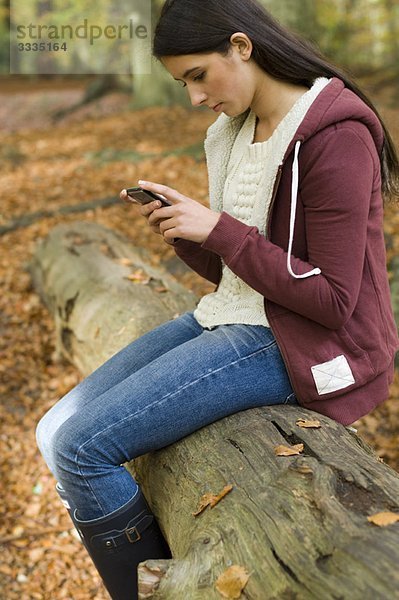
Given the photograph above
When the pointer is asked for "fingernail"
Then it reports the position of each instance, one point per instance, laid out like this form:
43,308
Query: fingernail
141,181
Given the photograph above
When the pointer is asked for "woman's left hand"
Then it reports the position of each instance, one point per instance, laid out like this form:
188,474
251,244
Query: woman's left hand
186,218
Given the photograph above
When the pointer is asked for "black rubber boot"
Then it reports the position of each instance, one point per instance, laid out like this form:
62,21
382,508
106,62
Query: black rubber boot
118,542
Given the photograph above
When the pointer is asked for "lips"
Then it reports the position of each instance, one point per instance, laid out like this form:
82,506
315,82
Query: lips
217,107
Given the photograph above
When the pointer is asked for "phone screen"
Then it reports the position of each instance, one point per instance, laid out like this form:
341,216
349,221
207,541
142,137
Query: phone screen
145,196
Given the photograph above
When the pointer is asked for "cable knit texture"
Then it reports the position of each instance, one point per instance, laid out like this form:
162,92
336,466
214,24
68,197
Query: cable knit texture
241,182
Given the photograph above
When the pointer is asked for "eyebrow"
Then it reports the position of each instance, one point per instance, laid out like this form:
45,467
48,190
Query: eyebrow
187,73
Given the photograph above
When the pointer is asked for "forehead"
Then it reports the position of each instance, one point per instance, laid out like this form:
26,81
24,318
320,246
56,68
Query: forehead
178,65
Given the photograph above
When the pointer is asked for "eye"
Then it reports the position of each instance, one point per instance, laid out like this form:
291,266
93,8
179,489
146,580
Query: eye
198,77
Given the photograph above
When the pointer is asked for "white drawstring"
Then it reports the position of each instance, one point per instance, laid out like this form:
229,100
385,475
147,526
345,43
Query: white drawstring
294,197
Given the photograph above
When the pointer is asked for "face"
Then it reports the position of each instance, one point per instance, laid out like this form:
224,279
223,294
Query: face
223,83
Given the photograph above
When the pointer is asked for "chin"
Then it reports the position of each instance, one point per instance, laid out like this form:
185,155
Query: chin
235,112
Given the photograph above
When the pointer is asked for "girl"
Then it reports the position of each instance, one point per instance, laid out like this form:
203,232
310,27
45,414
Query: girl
298,160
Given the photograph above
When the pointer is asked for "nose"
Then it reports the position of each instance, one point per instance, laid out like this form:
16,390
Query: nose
197,97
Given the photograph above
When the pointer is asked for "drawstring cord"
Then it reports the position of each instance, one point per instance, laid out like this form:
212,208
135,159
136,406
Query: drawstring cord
294,197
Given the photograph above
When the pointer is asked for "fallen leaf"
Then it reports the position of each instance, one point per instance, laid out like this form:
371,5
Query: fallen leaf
288,451
232,581
33,509
304,469
139,276
382,519
18,530
126,262
211,500
78,240
161,289
36,554
315,424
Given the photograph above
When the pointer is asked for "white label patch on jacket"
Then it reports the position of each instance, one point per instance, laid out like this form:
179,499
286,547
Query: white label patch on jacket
333,375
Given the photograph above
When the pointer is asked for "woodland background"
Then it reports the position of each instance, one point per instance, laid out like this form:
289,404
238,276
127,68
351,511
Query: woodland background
68,145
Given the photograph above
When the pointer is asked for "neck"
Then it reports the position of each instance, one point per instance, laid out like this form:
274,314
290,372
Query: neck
273,100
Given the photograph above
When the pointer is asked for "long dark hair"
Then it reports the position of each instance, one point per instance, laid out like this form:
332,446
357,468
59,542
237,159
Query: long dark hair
205,26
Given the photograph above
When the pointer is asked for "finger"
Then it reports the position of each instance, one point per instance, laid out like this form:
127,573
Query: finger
147,209
161,214
155,230
164,190
123,195
167,224
170,235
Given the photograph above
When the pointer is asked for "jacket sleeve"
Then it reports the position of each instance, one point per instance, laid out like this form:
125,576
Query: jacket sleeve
204,262
339,168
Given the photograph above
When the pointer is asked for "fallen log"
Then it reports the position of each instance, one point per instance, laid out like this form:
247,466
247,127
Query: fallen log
102,291
298,524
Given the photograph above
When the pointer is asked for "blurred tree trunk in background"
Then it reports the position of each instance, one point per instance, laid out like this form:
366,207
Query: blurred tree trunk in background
4,36
392,20
157,88
45,61
300,16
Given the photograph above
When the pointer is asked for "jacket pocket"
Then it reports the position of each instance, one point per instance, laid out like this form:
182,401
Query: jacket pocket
322,363
332,375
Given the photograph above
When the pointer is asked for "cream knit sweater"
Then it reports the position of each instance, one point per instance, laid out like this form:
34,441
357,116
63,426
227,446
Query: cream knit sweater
241,181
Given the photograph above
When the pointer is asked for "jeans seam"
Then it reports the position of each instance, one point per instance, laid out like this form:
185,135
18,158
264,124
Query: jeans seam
158,402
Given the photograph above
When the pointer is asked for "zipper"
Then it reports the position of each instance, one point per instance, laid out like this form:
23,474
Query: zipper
280,347
267,235
273,198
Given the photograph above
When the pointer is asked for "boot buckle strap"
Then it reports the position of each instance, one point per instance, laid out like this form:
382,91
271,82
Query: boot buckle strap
133,535
115,539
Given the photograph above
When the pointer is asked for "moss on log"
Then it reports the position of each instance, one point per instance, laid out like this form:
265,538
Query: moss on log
298,524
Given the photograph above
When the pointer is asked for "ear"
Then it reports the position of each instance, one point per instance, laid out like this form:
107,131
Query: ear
241,43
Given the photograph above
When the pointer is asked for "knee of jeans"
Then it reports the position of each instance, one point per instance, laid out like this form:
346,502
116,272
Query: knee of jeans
51,441
43,438
76,451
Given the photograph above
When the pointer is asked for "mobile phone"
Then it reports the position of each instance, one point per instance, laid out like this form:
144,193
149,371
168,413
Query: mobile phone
145,196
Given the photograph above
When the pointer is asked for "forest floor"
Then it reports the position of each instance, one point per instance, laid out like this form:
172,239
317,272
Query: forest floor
46,165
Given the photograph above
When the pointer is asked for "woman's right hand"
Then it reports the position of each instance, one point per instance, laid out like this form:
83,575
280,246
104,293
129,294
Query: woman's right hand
146,211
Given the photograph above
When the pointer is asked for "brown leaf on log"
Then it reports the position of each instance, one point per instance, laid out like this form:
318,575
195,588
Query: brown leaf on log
125,262
231,582
139,276
288,450
382,519
309,424
212,499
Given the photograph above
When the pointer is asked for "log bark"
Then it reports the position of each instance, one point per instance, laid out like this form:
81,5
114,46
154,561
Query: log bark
298,524
81,271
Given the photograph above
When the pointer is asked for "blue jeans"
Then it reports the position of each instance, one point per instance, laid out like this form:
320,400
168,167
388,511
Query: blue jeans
160,388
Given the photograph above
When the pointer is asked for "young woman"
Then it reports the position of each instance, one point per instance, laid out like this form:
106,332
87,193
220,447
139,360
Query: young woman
298,160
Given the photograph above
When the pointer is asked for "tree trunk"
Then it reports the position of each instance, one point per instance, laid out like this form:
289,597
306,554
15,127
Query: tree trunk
157,88
298,524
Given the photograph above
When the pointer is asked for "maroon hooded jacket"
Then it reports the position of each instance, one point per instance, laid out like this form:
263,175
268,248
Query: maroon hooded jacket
335,327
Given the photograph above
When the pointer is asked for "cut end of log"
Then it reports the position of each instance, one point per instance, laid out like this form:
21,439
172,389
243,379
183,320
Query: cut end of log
150,574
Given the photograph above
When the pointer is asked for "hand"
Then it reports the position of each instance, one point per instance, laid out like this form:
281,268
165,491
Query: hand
186,218
145,209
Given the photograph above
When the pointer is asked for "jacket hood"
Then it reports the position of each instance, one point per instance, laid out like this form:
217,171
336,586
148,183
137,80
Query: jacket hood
335,104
